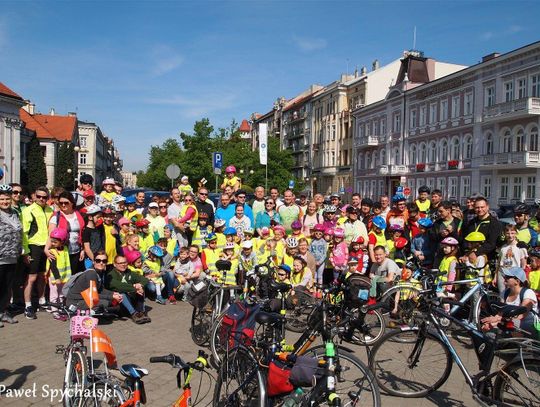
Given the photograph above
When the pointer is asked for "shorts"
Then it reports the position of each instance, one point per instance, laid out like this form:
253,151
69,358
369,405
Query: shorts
39,259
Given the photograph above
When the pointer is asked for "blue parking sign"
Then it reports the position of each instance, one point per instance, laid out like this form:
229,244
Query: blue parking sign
291,184
217,160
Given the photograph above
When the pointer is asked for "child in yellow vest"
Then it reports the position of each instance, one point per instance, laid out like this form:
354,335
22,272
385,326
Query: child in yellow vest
146,239
123,224
201,231
279,234
480,263
228,254
534,274
135,263
448,265
172,243
59,269
184,187
152,270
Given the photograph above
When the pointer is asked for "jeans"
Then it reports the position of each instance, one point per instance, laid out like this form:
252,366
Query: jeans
171,282
133,303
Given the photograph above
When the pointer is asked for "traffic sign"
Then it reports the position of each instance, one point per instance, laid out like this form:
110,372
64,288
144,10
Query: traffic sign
173,171
342,190
217,161
399,190
407,191
291,184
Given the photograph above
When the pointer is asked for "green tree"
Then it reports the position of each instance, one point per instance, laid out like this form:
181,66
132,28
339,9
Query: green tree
37,172
65,171
161,157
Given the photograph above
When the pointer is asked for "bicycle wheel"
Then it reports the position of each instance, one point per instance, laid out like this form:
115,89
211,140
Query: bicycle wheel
201,323
401,303
518,383
218,341
239,382
296,317
75,379
104,393
355,384
368,327
410,363
482,307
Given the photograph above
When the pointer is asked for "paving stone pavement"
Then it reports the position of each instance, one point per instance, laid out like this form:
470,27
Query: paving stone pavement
28,360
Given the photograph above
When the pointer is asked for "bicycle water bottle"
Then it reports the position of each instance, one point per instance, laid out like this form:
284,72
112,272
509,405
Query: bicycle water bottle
295,399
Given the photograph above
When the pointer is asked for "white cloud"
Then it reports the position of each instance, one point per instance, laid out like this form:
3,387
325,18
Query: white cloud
166,60
196,107
309,44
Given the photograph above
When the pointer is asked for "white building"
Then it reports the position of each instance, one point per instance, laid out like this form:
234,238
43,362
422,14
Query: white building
474,130
10,134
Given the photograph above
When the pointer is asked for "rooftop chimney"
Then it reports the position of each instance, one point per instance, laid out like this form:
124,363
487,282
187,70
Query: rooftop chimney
72,114
375,65
363,71
491,56
29,107
52,112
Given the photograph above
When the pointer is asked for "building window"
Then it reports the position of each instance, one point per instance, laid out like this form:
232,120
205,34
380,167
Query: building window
412,154
455,107
381,187
333,158
535,86
413,123
432,152
368,160
366,189
465,187
430,182
432,113
444,110
468,105
454,149
489,144
521,88
396,156
467,147
383,126
397,123
508,91
517,187
422,155
443,150
504,188
360,159
507,142
531,188
533,139
486,186
452,188
489,94
383,156
419,182
423,115
441,184
82,142
520,141
333,132
82,158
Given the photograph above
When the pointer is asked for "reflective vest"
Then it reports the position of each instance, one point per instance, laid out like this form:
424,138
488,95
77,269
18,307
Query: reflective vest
423,206
288,260
172,247
185,189
231,182
485,272
62,264
135,270
221,240
145,242
193,222
108,196
445,266
36,223
155,266
230,275
211,257
199,235
380,239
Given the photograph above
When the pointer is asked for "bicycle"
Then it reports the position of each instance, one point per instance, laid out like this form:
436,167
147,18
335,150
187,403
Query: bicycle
419,359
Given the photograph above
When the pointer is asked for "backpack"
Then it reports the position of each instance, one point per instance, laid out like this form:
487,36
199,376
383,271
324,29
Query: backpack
357,290
506,293
238,325
70,283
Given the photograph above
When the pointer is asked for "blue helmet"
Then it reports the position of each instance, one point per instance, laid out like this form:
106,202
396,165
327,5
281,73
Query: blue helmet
425,222
156,251
398,197
285,267
211,236
130,200
379,222
229,231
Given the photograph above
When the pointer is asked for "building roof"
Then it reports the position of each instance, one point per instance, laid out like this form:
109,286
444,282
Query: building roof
61,128
5,91
245,127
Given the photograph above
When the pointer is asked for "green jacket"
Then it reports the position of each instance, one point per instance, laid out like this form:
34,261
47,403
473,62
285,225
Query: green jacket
123,282
35,221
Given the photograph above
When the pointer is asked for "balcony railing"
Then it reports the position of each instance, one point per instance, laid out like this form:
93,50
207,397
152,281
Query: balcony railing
519,157
393,169
374,140
524,106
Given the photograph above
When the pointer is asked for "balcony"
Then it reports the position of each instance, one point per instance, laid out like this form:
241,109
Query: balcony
369,141
514,109
393,169
517,159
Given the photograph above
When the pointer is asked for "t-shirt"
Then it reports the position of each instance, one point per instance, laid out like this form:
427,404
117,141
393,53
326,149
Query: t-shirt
383,269
96,238
526,323
184,269
511,255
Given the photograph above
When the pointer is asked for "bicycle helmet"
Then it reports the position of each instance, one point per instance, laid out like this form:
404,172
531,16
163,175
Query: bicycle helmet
230,169
279,228
249,231
118,198
424,188
406,273
219,223
59,234
92,209
475,237
338,232
359,240
398,198
130,200
379,222
229,231
291,242
108,181
329,232
425,223
521,208
318,227
329,209
534,253
123,221
107,211
395,227
285,268
265,231
296,225
450,241
142,223
211,236
247,244
5,189
131,257
89,193
400,243
229,246
156,251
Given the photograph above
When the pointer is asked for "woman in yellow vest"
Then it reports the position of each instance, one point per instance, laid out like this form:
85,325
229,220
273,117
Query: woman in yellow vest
59,268
231,180
376,236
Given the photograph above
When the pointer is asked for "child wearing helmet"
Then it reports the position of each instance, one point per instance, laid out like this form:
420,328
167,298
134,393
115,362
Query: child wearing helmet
319,249
108,193
340,253
296,227
219,227
131,208
279,238
358,250
153,271
422,246
231,180
184,187
291,251
210,255
135,262
450,248
59,268
228,254
146,239
477,264
376,236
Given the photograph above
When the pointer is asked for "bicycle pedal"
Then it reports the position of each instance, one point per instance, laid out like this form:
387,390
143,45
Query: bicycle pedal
60,349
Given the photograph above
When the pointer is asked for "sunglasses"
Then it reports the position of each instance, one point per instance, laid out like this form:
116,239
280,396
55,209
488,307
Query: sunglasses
269,203
16,192
509,277
102,261
41,197
203,193
63,203
282,274
163,206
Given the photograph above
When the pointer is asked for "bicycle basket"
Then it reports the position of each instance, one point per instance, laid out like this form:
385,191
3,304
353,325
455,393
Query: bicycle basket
81,325
357,291
198,294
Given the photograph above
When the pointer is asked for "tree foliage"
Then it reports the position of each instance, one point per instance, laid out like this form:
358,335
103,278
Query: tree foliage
64,171
37,171
194,157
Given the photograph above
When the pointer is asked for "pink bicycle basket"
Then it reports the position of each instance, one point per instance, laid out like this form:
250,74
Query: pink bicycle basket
81,325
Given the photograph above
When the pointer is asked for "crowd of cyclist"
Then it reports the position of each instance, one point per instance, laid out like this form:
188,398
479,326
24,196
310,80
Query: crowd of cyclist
55,243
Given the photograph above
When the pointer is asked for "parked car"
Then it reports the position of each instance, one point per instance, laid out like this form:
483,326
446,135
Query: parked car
147,194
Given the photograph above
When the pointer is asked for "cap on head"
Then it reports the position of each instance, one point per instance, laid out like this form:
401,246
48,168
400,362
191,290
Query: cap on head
516,272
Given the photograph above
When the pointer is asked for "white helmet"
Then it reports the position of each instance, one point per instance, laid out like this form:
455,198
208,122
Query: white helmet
291,242
92,209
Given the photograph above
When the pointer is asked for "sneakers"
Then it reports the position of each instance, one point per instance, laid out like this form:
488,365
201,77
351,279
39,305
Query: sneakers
139,318
161,300
29,313
172,299
60,317
8,319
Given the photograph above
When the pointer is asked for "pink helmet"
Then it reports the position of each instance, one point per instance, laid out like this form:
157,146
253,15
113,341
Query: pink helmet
338,232
318,227
60,234
132,257
230,168
450,241
329,232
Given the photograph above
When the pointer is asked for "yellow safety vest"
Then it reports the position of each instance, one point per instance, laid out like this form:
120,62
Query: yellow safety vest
171,246
485,273
145,242
185,189
36,223
108,196
445,266
156,268
380,239
231,182
230,275
288,260
193,222
62,264
221,240
211,257
423,206
135,270
199,235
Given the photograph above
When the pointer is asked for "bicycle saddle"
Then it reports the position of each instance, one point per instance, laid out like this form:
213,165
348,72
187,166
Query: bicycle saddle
133,371
512,311
267,317
281,287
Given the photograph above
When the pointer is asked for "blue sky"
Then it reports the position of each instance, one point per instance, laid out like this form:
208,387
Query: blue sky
146,70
